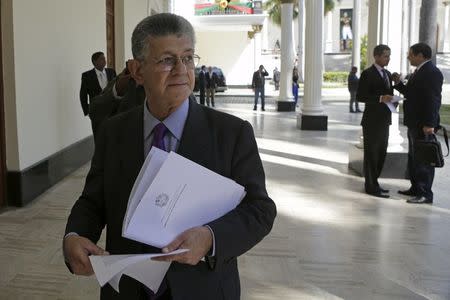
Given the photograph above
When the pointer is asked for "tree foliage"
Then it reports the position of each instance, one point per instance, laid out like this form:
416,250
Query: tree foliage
273,8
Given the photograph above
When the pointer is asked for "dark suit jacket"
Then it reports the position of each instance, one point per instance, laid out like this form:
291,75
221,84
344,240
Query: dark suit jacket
218,141
423,97
258,79
202,80
90,87
371,87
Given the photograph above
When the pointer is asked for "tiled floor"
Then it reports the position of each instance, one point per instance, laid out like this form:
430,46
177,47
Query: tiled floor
329,241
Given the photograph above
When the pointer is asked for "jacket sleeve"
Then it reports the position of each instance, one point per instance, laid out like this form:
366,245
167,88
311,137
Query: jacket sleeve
87,217
254,80
84,95
246,225
364,93
432,99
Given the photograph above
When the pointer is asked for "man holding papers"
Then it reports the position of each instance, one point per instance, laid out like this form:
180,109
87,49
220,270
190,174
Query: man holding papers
375,90
163,48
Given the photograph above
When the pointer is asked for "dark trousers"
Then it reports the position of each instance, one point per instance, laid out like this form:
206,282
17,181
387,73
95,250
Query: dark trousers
375,147
420,175
353,102
202,96
258,92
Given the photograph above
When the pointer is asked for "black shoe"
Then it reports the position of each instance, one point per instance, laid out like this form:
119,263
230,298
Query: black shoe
419,200
379,195
352,111
263,109
359,111
254,108
384,191
407,192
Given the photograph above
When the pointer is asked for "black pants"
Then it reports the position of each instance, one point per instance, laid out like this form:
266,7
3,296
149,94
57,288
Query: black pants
375,147
420,175
202,96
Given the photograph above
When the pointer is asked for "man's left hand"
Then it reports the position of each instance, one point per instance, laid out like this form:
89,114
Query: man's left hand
428,130
198,240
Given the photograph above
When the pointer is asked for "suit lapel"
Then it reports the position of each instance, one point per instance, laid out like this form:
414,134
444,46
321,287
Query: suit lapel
131,146
95,80
194,143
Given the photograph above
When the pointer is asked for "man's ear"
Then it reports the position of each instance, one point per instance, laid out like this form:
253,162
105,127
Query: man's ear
135,68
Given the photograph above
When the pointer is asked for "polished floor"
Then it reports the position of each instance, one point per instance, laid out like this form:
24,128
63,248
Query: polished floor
329,241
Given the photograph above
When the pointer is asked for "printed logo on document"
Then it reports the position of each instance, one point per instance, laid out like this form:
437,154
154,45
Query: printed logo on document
162,200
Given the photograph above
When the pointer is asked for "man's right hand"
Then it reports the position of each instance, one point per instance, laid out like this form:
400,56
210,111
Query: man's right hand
76,252
386,98
396,77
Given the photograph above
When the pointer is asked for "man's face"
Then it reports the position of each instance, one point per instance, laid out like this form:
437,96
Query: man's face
100,63
165,89
415,60
383,59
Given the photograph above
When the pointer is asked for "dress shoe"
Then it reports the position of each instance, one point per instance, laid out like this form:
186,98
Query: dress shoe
379,195
254,108
419,200
352,111
263,109
359,111
407,192
384,191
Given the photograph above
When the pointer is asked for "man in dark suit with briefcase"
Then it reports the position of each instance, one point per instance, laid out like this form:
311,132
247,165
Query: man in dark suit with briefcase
95,80
375,90
164,61
421,116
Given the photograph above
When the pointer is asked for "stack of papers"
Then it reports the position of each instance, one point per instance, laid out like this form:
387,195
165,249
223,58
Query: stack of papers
170,195
395,99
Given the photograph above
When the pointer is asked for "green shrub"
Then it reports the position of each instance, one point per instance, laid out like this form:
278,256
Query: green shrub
335,77
363,53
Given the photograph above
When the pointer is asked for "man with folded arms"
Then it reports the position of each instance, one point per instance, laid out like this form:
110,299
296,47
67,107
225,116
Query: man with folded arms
163,48
421,116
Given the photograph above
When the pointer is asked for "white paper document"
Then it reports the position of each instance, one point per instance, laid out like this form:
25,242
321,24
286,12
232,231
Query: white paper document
110,268
172,194
391,105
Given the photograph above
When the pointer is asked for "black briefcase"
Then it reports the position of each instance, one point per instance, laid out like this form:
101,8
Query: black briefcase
428,151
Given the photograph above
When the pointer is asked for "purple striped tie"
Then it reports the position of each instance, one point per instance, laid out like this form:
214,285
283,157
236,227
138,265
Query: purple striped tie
159,131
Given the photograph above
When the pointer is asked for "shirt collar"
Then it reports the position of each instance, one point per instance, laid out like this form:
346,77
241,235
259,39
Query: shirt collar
420,66
379,68
174,122
99,72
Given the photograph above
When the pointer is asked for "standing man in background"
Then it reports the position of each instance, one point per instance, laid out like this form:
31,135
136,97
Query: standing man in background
375,90
421,116
95,80
352,83
258,82
211,84
202,84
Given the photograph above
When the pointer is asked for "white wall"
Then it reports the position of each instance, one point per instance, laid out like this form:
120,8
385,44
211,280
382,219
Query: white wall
53,43
231,51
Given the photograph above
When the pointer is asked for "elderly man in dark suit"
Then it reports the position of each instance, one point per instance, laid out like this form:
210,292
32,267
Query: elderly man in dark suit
164,61
375,90
421,116
95,80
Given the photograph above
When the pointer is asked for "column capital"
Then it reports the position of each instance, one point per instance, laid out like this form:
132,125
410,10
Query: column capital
288,1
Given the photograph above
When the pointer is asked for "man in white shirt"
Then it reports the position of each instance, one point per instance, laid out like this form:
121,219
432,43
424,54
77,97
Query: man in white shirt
94,80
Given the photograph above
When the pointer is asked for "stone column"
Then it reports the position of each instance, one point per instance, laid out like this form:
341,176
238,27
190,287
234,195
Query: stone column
405,40
285,100
412,39
428,25
312,116
356,51
329,41
446,21
373,32
300,19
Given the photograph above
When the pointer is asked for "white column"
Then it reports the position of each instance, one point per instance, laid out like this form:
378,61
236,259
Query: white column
373,32
300,19
446,21
329,41
356,51
312,104
287,55
405,41
412,38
